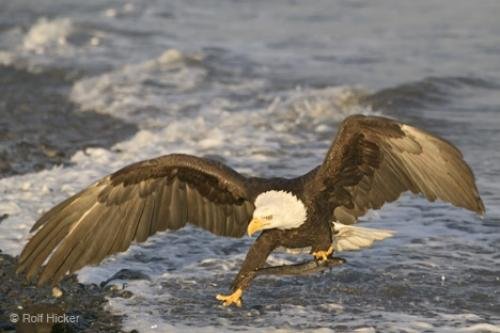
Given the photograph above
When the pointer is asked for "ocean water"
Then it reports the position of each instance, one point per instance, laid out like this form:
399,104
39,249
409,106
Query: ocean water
262,86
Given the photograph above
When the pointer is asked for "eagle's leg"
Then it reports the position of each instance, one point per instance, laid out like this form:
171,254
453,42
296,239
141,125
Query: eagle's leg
323,255
255,259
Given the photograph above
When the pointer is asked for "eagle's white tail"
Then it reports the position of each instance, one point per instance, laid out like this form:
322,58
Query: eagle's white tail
350,238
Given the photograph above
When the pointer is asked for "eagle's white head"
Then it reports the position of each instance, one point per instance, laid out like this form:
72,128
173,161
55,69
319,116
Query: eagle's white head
277,209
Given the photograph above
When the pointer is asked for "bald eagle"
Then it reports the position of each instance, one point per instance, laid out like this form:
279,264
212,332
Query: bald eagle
372,160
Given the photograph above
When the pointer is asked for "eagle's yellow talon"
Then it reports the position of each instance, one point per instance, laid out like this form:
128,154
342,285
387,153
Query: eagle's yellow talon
234,298
323,255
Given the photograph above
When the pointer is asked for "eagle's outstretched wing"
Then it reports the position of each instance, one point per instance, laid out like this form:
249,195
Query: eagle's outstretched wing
374,159
133,204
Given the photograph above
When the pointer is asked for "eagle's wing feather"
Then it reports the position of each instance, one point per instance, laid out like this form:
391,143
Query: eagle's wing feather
133,204
374,159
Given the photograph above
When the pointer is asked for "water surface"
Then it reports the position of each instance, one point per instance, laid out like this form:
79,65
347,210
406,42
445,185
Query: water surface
262,86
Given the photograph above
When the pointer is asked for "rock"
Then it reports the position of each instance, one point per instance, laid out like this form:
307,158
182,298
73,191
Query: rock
56,292
87,302
3,217
127,274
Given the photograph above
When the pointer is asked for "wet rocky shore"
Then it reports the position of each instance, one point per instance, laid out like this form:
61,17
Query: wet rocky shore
40,128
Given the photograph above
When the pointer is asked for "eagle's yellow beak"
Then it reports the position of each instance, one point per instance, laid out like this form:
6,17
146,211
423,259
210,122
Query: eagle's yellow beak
255,225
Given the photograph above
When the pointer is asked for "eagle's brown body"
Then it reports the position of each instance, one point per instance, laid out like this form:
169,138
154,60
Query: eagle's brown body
372,161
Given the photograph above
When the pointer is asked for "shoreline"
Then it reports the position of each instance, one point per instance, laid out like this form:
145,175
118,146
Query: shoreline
82,306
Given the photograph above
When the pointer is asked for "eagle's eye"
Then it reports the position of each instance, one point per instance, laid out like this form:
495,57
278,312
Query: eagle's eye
268,217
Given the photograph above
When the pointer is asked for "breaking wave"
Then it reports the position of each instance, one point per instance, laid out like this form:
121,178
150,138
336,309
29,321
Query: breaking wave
48,34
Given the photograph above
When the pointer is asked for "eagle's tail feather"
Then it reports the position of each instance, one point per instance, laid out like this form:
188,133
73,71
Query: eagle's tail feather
350,238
